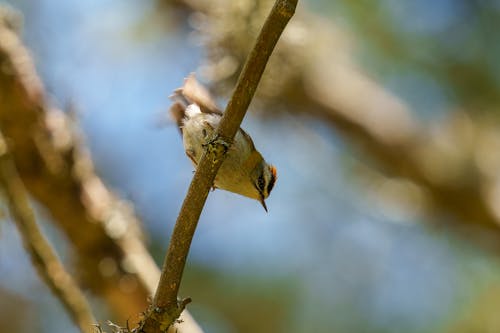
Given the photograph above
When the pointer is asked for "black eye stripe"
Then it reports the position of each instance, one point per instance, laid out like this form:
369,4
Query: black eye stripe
261,183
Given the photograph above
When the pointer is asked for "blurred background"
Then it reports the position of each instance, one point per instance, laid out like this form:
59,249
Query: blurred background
382,118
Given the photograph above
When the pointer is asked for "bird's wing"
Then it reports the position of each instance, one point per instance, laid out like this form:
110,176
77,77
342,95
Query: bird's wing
248,138
177,112
192,92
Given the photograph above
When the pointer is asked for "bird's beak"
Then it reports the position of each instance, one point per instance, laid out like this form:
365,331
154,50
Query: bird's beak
263,203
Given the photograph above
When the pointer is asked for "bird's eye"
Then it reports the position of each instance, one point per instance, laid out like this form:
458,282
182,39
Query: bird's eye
260,183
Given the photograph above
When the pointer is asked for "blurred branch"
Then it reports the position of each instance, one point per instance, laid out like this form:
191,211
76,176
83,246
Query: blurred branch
471,77
11,318
41,253
166,307
313,70
112,260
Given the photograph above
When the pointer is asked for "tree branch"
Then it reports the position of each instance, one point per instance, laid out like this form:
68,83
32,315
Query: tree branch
326,83
166,307
41,253
103,232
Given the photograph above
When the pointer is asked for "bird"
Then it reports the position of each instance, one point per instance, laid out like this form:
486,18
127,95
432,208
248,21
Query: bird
244,171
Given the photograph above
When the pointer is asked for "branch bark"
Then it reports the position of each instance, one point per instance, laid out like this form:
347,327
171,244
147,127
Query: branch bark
39,249
166,307
326,83
103,232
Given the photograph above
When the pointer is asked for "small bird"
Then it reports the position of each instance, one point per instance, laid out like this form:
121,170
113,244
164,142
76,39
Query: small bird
244,171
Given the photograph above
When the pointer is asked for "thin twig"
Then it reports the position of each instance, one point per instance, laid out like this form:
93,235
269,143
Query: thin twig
42,255
166,307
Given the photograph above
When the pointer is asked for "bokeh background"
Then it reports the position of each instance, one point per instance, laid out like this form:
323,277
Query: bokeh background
380,116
